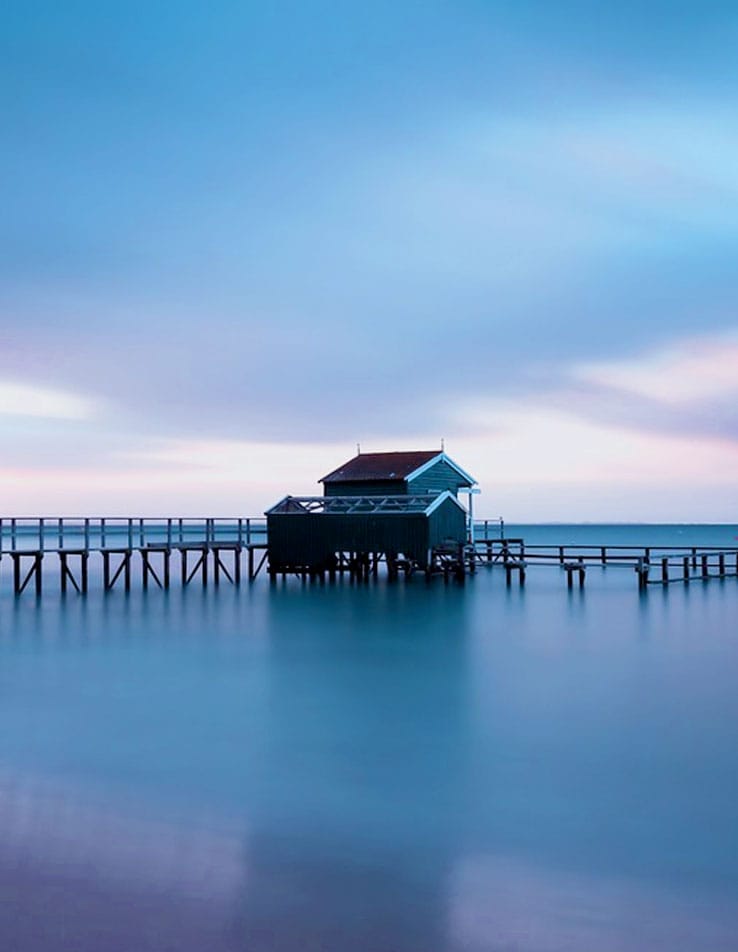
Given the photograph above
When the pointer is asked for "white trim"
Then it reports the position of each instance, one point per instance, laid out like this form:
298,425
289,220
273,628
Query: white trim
321,505
440,457
447,494
272,508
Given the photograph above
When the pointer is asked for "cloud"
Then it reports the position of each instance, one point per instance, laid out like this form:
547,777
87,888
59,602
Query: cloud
29,400
697,370
424,266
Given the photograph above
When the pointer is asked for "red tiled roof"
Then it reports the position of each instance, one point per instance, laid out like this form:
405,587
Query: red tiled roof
386,466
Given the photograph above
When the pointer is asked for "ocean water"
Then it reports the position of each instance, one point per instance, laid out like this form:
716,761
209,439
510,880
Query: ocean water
382,768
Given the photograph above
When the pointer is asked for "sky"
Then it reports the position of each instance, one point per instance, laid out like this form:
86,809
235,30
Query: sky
239,238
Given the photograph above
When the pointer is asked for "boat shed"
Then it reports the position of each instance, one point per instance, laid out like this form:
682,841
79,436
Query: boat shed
409,473
321,533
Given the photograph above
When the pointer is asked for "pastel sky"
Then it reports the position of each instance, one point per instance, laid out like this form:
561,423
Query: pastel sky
236,238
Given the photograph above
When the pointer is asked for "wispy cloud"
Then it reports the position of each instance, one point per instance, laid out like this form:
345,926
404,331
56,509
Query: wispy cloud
29,400
697,370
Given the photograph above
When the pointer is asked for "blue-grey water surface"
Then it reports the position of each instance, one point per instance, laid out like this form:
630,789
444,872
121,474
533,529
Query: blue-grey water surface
387,768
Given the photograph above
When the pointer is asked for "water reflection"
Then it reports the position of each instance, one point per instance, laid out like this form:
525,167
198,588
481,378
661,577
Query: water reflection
402,767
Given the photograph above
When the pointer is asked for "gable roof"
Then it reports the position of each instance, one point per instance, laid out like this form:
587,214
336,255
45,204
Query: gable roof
386,466
391,467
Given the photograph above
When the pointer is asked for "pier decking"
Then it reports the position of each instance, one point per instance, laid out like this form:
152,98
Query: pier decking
206,549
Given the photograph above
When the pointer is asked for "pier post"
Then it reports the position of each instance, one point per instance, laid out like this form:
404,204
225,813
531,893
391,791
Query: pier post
665,570
686,568
642,569
201,564
124,568
220,566
34,572
67,574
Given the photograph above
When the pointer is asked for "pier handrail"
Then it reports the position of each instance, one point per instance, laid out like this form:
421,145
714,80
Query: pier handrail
98,533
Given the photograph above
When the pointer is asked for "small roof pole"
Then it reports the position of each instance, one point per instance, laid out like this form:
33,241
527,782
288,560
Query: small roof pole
443,444
358,449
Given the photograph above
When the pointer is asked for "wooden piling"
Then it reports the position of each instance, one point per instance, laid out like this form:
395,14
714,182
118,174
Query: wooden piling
67,574
34,573
124,568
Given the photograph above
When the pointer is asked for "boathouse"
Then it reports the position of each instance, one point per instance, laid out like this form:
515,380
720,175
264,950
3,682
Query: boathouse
398,507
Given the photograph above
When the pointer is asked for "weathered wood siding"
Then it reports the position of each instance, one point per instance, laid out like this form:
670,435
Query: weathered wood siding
436,479
312,539
379,487
448,522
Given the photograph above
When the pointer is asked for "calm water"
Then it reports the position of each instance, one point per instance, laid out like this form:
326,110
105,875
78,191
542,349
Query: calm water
381,768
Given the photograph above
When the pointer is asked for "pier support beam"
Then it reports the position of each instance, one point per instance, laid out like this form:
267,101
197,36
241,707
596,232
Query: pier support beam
571,568
255,568
67,575
110,576
201,565
642,568
20,582
512,565
219,566
148,569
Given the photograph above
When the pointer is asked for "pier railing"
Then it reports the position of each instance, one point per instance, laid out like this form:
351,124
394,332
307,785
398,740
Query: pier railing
94,534
659,565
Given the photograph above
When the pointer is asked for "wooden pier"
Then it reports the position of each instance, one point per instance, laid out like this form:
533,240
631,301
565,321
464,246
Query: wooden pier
116,551
205,548
653,565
